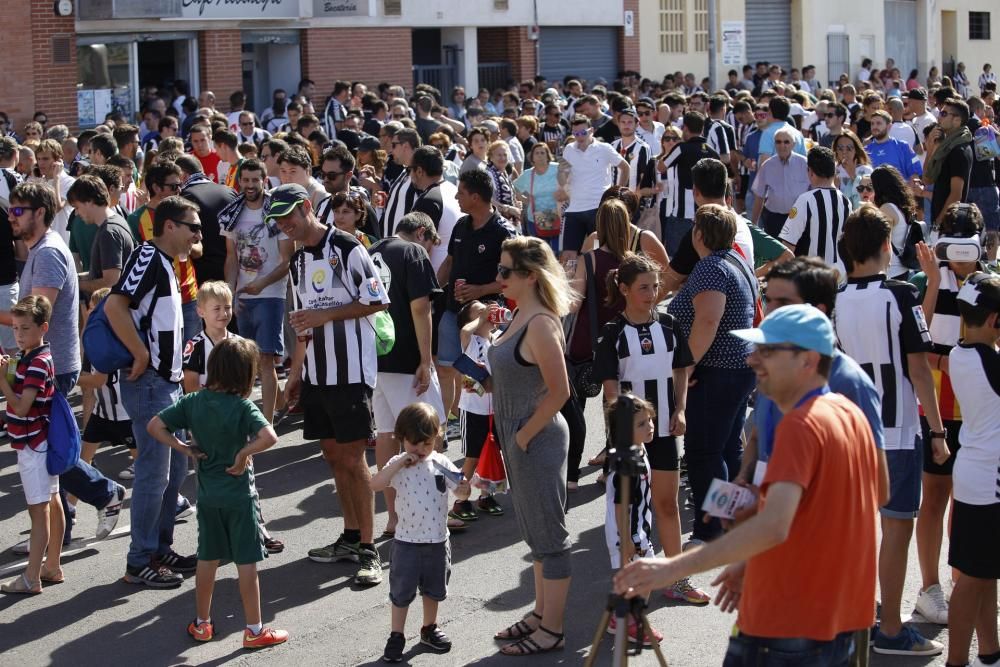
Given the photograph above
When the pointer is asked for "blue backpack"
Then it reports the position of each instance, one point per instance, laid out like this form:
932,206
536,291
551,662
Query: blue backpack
63,438
105,350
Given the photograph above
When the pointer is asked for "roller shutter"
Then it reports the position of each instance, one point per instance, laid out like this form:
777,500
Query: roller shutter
589,53
769,32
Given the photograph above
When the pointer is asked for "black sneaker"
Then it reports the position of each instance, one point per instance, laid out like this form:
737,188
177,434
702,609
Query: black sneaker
177,563
152,575
432,636
394,648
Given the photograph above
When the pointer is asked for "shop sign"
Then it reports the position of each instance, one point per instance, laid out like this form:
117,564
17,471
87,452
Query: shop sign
337,8
239,9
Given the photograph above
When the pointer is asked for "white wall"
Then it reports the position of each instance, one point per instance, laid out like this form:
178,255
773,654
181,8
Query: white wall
972,52
655,64
862,20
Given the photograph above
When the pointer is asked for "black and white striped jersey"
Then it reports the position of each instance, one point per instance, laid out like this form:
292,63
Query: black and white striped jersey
149,272
642,358
400,200
680,201
976,475
742,132
637,155
196,354
879,322
721,136
334,273
109,399
640,514
815,223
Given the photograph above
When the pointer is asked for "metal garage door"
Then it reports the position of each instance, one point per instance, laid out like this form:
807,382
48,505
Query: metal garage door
588,53
901,34
769,31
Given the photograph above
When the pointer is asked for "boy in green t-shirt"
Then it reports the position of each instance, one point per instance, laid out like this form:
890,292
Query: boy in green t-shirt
222,420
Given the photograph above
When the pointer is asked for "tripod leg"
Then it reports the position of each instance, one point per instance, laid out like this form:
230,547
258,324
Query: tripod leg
656,645
602,627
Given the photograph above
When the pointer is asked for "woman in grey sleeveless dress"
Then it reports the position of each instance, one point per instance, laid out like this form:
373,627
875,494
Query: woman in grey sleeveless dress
529,387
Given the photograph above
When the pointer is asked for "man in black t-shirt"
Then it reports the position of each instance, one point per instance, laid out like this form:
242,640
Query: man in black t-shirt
406,374
470,270
210,198
983,179
950,166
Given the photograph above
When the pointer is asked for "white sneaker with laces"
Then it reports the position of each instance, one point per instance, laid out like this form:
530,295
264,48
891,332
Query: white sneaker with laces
932,605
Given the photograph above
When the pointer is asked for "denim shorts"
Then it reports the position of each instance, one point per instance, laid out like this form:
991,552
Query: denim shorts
747,651
262,321
906,466
423,567
449,344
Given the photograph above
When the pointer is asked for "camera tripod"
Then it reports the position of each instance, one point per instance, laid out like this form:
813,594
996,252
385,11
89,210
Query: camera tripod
626,461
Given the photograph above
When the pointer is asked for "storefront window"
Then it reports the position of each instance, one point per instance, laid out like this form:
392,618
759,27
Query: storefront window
104,82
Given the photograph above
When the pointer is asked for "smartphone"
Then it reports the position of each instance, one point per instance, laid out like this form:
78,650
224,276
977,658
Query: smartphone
466,366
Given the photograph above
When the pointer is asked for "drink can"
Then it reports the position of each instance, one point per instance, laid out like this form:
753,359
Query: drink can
500,315
459,282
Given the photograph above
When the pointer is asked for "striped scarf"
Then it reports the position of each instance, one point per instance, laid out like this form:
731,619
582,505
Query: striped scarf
230,215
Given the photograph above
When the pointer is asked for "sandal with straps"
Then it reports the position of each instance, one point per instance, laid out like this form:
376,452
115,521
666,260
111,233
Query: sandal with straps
518,630
528,646
21,586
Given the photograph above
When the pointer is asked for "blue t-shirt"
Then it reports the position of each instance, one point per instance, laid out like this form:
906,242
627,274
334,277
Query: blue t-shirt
751,150
847,378
767,138
715,273
544,189
896,153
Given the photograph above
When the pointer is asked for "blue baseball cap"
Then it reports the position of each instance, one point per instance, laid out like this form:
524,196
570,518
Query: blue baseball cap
802,325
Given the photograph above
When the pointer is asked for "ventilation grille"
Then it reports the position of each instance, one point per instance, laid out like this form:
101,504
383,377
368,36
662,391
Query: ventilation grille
501,5
62,50
393,7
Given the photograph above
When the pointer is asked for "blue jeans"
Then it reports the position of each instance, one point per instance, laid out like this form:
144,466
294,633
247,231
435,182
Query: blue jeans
262,321
159,470
747,651
82,480
988,201
674,230
716,411
192,323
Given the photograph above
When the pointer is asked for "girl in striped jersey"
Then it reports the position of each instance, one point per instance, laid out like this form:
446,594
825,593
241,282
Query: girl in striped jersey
643,352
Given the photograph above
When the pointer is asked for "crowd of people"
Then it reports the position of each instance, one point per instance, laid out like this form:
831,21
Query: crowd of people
431,266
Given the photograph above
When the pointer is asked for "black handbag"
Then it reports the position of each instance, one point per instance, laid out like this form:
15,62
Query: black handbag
583,373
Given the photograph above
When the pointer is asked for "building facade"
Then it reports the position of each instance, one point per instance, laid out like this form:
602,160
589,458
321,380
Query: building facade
100,54
832,36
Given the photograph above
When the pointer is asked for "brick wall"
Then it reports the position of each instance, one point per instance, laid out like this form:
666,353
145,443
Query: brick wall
221,66
374,55
508,45
54,86
17,77
628,47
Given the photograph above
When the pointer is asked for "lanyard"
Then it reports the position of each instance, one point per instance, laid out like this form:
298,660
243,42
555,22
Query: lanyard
825,389
769,418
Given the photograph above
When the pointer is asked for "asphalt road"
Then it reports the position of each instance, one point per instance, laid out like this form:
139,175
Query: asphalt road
94,618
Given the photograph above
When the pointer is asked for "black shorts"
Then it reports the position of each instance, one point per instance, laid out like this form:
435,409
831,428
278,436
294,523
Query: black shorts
662,453
342,413
974,543
953,446
101,430
474,431
744,186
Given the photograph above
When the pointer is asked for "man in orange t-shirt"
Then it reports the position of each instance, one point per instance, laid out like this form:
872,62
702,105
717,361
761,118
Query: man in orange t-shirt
802,570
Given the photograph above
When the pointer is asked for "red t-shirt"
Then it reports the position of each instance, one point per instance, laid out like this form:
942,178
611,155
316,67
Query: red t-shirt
35,370
821,581
210,165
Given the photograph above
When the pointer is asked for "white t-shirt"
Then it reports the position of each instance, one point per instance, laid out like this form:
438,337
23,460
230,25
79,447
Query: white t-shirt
257,253
450,213
591,174
471,401
976,476
652,139
422,500
897,238
60,223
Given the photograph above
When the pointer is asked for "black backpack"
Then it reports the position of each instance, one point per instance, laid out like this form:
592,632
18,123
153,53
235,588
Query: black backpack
908,253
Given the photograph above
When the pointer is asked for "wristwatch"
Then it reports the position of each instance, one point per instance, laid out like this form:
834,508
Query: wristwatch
942,435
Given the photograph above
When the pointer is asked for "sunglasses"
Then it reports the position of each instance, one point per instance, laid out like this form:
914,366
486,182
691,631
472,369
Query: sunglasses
865,188
330,175
18,211
581,133
172,186
505,271
645,113
193,226
944,114
766,351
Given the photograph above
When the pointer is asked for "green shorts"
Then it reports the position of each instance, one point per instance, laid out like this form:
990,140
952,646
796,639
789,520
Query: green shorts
231,533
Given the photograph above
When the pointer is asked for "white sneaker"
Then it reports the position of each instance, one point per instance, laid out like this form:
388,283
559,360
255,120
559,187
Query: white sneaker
107,516
127,473
932,605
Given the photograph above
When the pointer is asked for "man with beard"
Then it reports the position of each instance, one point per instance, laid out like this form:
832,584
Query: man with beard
633,149
257,257
882,148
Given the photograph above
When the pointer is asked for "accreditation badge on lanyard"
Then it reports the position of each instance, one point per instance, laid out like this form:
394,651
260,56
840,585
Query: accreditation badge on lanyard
761,467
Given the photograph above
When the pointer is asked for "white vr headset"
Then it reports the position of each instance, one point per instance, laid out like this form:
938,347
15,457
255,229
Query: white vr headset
958,249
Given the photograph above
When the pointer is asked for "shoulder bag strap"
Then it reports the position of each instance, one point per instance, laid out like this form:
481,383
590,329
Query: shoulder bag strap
742,269
588,261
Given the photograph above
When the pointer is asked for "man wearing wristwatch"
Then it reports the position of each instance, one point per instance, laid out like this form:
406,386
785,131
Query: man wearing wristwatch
880,323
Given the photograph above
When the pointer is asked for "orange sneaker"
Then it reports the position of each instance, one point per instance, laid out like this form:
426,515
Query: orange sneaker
267,637
201,632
